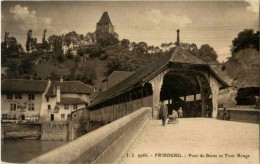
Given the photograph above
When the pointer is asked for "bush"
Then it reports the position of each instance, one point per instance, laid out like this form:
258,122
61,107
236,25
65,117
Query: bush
70,56
103,56
77,59
61,58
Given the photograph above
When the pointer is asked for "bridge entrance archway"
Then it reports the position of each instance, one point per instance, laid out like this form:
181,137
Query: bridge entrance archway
189,90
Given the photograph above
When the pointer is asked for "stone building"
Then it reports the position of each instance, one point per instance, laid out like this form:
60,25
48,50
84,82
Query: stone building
105,24
63,97
23,99
42,100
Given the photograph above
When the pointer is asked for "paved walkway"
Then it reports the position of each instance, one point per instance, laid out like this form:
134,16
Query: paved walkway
225,142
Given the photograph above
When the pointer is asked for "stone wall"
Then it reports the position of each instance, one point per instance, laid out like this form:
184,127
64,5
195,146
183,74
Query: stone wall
105,144
241,115
79,124
24,131
54,131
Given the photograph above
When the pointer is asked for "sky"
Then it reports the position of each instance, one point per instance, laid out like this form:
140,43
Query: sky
204,22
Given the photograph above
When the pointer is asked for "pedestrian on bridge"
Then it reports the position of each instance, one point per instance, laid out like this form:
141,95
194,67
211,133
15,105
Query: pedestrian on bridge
163,113
180,112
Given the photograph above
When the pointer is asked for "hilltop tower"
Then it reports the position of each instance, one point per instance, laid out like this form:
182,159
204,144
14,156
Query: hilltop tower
105,24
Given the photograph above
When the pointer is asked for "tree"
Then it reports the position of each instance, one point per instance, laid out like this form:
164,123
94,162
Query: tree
124,62
10,48
89,75
56,41
167,46
125,43
207,54
94,50
28,41
139,48
106,39
44,45
26,66
91,38
245,39
71,38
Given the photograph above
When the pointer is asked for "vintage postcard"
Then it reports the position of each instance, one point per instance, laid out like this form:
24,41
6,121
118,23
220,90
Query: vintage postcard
130,82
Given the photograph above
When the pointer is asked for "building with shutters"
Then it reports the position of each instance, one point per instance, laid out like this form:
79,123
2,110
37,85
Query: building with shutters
42,100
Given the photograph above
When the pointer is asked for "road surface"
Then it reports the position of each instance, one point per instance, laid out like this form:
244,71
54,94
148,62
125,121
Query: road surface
195,140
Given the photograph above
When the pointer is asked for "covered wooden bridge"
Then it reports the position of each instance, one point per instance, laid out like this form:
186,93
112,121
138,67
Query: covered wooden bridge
172,77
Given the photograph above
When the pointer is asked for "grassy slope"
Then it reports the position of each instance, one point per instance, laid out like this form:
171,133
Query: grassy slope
243,68
44,70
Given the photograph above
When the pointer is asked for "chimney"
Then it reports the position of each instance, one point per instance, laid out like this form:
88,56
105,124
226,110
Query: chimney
61,79
31,77
58,94
178,37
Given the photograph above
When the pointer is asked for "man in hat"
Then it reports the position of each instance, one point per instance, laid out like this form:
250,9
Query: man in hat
164,113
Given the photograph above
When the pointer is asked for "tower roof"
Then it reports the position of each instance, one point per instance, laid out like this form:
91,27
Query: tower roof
105,18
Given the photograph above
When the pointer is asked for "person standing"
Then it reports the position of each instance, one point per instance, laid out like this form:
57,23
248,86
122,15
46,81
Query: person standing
180,112
164,113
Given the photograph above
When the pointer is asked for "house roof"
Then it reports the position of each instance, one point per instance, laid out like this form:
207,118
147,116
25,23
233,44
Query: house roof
22,85
179,55
105,18
69,100
70,87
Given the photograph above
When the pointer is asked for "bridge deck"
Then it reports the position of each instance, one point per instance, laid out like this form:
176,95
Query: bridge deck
191,137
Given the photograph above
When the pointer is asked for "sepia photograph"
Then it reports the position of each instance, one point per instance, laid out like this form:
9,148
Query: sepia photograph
130,82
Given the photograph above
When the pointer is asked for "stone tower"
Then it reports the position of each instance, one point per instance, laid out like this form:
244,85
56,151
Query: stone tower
105,24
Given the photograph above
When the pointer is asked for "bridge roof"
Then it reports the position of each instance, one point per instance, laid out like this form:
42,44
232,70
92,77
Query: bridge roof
179,55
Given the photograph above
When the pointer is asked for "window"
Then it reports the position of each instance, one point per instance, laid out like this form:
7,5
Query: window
13,107
62,115
49,107
31,97
9,96
18,96
19,106
4,116
75,106
30,106
66,106
47,99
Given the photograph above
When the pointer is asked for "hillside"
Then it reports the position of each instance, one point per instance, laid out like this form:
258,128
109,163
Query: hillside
44,70
244,68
